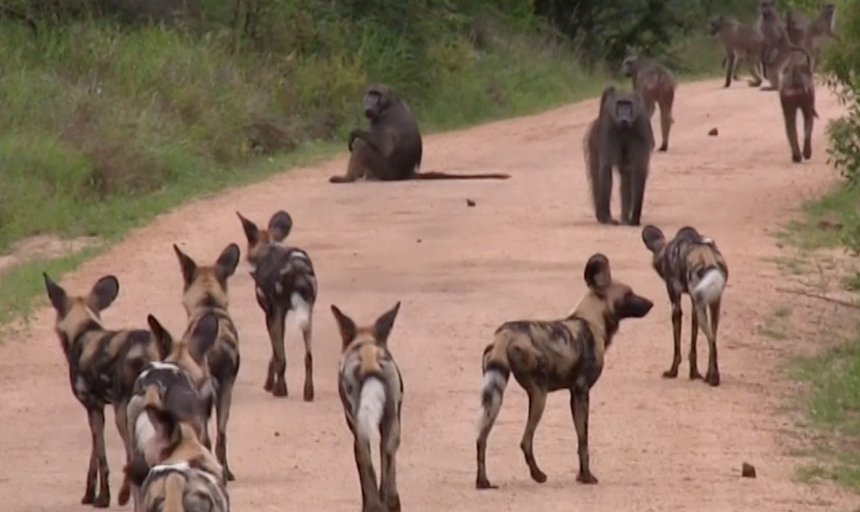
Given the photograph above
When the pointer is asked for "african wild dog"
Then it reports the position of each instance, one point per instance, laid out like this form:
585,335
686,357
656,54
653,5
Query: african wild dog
204,290
185,476
547,356
285,281
371,391
691,264
103,365
183,380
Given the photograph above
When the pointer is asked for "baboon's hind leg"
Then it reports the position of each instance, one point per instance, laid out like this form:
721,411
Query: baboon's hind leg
666,101
808,123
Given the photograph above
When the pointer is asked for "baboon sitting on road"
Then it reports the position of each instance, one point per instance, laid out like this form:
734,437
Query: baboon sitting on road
621,138
797,92
740,41
390,149
655,84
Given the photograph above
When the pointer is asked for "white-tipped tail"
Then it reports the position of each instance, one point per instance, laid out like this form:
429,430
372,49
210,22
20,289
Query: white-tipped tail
301,309
710,288
371,407
491,398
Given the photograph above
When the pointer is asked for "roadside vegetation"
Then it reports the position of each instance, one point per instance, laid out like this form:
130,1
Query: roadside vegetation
830,227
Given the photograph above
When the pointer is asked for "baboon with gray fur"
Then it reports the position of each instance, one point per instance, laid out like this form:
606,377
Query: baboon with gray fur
391,148
620,138
656,84
778,49
797,92
740,42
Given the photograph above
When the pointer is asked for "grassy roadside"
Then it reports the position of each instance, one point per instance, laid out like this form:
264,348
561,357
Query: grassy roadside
830,395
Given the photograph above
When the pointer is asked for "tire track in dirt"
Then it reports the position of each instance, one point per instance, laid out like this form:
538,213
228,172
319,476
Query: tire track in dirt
656,444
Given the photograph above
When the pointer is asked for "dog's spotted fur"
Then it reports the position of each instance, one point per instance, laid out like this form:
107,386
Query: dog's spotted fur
103,366
285,281
691,264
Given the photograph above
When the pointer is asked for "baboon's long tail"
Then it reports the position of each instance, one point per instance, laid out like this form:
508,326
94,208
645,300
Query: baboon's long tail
497,370
710,288
371,407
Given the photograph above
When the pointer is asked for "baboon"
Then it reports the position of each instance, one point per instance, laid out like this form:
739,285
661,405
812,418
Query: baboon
620,138
796,25
777,44
391,148
740,41
797,92
553,355
103,366
821,27
656,85
371,392
690,264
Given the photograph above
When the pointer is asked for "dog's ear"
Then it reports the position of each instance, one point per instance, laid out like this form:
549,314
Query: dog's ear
188,265
597,275
383,325
162,336
103,293
227,261
252,232
347,327
56,294
653,238
280,226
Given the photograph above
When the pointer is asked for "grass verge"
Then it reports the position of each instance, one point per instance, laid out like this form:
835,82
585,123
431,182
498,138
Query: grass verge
830,399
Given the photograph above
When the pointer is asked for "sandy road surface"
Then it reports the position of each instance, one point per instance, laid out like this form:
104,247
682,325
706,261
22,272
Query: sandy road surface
656,444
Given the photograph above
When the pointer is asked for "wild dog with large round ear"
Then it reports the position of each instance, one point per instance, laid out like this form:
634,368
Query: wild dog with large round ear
548,356
690,264
371,392
284,281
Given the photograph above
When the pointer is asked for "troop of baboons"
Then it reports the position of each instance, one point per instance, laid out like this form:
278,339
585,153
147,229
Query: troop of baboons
163,388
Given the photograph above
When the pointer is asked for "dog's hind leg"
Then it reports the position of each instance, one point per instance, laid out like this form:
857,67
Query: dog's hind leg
675,299
537,403
694,338
712,376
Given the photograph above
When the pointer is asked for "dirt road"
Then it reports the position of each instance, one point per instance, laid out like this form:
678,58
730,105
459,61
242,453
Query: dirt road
655,444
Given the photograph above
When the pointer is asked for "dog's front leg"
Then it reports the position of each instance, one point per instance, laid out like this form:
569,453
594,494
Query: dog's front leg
579,410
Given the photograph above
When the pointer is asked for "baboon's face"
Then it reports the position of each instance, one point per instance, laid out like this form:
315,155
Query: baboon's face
628,66
623,111
716,25
376,100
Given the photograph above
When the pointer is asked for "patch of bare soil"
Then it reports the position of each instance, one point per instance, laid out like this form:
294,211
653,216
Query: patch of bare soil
43,247
656,444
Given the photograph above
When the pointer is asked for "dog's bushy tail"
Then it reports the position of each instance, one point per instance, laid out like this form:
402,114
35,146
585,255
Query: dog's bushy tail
497,370
371,407
710,287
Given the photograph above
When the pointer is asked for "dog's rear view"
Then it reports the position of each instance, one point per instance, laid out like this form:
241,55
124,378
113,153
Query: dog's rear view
691,264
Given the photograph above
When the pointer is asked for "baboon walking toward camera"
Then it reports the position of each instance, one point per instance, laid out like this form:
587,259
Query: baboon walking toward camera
778,46
797,92
620,137
656,85
391,148
740,43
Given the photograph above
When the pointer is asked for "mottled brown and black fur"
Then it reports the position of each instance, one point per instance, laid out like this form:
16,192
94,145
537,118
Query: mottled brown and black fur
103,366
185,476
204,291
184,382
656,85
285,281
547,356
620,138
690,264
741,42
797,92
391,148
371,391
